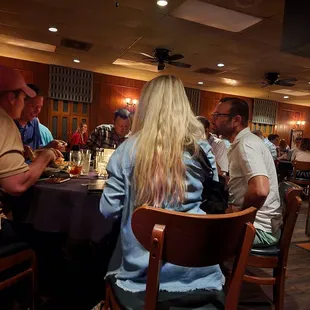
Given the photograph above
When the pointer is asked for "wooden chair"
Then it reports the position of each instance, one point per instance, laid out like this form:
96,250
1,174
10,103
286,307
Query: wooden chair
17,261
187,240
275,257
302,166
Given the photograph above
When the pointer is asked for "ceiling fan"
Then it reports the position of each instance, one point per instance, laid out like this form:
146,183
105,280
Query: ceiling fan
272,78
163,56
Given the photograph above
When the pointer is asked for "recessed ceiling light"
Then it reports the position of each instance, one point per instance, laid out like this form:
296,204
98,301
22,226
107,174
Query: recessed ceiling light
230,81
52,29
200,83
76,60
286,97
162,2
220,65
308,82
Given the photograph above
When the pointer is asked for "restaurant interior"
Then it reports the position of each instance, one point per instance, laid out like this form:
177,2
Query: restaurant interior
92,58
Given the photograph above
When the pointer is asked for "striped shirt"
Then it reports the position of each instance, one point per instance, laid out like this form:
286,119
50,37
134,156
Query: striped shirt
272,148
104,136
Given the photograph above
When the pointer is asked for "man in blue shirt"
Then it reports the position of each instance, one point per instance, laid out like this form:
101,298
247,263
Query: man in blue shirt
29,125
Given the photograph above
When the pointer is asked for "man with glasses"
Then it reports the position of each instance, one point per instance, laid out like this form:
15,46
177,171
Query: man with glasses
253,178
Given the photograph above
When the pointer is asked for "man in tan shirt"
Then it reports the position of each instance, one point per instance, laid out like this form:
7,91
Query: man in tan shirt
15,175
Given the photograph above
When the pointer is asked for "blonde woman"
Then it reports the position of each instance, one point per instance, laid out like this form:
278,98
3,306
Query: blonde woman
153,168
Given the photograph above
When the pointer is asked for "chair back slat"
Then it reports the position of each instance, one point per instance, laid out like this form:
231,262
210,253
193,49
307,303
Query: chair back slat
186,234
300,166
290,193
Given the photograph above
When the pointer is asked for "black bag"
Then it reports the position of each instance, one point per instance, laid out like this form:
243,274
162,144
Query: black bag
214,195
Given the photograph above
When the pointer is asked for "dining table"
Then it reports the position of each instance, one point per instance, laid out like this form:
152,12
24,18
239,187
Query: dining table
66,207
73,240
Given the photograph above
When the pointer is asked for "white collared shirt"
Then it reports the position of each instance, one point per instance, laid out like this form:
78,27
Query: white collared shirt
249,157
220,152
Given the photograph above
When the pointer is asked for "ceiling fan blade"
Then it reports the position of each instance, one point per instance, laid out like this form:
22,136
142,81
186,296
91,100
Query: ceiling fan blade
288,80
265,85
150,60
284,84
175,57
179,64
147,55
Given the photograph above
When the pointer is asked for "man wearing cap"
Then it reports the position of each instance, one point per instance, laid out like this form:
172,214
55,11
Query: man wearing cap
15,175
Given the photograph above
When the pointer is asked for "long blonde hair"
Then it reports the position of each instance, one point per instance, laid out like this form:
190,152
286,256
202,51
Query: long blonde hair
164,125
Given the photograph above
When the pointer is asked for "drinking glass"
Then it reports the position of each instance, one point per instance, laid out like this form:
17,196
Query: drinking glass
101,166
75,164
86,157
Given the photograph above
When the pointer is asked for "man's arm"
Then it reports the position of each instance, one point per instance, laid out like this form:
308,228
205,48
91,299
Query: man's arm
17,184
252,162
257,192
92,142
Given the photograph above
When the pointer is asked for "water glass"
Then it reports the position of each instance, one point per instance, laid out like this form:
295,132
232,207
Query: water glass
86,157
101,166
75,164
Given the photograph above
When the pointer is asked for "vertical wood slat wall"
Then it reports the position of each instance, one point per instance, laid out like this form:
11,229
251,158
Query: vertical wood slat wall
65,116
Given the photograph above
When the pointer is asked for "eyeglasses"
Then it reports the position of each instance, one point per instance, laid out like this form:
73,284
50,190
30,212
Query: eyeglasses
217,114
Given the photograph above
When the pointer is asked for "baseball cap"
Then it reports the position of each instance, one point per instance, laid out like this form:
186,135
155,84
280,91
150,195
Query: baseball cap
11,79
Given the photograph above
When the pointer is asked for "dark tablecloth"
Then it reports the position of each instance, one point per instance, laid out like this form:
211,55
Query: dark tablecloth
66,207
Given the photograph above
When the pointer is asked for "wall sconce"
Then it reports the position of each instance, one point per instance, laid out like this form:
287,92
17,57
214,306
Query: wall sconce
299,124
131,104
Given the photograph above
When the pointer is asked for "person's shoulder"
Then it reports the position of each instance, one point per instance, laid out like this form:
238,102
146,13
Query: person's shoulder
105,127
219,142
205,145
252,141
6,120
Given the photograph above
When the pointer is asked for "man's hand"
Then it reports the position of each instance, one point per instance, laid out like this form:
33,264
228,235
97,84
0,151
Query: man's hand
29,153
49,153
57,144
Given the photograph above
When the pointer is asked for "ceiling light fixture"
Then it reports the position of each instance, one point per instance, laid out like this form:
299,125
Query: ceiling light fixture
231,82
52,29
162,2
200,83
286,97
220,65
76,60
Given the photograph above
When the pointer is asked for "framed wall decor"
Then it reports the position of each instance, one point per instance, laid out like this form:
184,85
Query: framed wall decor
295,134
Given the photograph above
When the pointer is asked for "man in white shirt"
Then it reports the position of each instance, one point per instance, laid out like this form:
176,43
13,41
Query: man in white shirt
218,146
253,178
272,148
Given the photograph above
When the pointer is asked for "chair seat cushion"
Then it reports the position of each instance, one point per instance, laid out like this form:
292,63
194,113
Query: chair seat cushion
198,299
12,248
266,251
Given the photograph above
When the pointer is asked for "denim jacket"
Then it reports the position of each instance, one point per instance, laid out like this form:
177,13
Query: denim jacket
118,201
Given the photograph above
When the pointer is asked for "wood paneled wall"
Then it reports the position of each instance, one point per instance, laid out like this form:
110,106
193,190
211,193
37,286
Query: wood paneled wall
110,92
109,95
287,115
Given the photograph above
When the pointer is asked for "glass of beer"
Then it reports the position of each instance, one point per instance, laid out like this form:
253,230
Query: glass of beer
75,164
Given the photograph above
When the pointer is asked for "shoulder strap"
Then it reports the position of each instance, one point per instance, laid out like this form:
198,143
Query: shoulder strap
204,161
